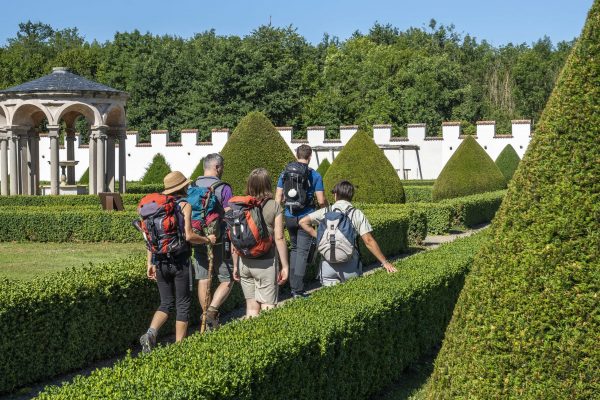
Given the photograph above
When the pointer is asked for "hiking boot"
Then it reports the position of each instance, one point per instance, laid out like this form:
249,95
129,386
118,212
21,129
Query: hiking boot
212,320
148,342
299,295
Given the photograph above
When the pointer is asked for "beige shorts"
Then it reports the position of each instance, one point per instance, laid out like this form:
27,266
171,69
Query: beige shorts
259,279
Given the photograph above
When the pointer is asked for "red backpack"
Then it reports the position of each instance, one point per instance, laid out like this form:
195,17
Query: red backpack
248,230
162,224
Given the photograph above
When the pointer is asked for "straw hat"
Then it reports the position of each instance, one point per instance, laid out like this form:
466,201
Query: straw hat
175,181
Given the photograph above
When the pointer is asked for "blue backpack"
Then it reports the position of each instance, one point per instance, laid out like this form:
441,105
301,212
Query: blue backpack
207,210
336,236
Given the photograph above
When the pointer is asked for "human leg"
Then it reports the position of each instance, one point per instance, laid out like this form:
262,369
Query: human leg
183,299
303,242
166,288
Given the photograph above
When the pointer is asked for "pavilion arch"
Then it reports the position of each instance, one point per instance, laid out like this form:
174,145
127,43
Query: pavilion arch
115,116
30,114
70,111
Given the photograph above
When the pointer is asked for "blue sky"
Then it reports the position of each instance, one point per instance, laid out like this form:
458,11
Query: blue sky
499,22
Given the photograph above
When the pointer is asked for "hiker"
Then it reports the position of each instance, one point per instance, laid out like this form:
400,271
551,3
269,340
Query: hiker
169,259
298,188
257,251
213,170
339,227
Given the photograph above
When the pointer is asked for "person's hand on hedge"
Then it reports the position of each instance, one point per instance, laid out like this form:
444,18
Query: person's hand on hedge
389,267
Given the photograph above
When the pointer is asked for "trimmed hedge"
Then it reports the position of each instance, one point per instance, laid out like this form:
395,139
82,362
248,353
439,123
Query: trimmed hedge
141,188
323,167
255,143
508,162
85,200
364,164
156,171
470,211
420,193
198,171
469,171
527,323
85,178
418,182
346,341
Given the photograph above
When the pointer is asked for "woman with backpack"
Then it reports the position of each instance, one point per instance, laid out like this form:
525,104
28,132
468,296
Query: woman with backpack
256,250
167,227
339,227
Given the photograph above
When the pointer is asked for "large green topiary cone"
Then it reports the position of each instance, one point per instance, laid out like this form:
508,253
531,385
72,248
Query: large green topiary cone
364,164
198,171
527,323
469,171
157,170
323,167
85,178
508,161
254,143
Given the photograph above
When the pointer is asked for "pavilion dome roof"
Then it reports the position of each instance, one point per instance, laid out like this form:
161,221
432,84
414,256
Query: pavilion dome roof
60,80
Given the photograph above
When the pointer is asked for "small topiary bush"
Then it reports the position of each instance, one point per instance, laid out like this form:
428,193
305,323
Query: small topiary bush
527,322
198,171
156,171
470,170
255,143
364,164
323,167
508,161
85,178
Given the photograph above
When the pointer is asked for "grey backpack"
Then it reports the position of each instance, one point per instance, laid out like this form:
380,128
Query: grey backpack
336,236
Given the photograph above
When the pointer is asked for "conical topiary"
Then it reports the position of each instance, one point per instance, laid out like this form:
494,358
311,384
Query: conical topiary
85,178
470,170
364,164
527,322
255,143
323,167
156,171
198,171
508,161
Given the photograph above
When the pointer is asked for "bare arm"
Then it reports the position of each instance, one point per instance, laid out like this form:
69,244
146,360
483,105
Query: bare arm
305,223
190,235
279,195
282,249
321,199
373,247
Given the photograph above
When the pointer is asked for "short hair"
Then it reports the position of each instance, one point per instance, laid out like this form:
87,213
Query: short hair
303,152
213,159
344,190
259,184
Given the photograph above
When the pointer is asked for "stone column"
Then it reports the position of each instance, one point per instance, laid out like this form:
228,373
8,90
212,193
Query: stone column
110,162
101,159
92,163
54,168
35,162
23,158
31,161
3,164
122,161
13,166
70,139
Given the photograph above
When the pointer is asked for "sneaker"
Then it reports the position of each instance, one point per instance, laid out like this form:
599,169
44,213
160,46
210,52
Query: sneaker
148,342
299,295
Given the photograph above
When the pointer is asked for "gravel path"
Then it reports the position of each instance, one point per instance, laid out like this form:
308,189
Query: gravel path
431,242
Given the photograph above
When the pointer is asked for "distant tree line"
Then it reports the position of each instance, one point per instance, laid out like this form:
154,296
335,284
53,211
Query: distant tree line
426,75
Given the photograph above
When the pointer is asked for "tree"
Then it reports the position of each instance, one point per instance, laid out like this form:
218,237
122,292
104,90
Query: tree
156,170
363,164
470,170
323,167
527,320
255,143
507,162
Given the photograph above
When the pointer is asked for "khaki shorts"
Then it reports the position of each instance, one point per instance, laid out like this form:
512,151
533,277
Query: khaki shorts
259,279
222,268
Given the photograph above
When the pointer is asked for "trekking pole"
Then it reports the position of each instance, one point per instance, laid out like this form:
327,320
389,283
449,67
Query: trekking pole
208,297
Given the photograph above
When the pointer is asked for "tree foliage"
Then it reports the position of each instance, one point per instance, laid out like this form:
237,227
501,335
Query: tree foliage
363,164
384,76
527,321
508,161
156,170
468,171
255,143
323,167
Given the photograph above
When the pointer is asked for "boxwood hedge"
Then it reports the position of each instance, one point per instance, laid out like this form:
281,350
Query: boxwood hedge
420,193
156,170
508,162
346,341
527,323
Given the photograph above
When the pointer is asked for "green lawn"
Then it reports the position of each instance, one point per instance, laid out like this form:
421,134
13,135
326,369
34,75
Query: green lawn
28,260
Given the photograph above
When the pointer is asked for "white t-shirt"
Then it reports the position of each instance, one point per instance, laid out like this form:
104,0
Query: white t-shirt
359,221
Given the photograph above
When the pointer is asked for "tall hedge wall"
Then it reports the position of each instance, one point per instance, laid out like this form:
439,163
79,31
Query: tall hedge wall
198,171
323,167
528,320
344,342
470,170
508,161
254,143
364,164
156,170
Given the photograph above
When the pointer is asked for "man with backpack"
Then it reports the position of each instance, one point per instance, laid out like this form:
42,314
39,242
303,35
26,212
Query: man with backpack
298,188
213,170
339,227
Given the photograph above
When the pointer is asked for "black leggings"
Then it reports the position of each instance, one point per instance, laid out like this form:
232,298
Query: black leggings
173,279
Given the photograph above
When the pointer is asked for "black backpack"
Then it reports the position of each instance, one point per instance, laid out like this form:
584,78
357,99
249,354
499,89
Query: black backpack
296,182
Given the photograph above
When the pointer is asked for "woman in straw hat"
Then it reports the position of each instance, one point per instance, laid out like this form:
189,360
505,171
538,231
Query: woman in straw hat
173,274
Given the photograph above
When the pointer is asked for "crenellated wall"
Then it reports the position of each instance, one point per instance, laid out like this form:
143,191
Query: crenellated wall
433,152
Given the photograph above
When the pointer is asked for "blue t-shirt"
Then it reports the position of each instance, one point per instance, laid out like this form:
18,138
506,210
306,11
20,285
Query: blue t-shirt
316,185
